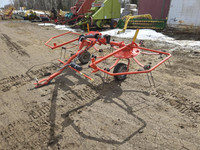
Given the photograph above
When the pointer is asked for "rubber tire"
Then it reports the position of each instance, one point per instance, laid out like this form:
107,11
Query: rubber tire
113,24
85,57
120,67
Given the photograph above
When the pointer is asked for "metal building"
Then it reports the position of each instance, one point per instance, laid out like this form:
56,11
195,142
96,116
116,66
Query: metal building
184,14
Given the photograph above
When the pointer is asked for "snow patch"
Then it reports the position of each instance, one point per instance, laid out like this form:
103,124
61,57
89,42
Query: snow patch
61,27
149,34
144,34
46,24
64,27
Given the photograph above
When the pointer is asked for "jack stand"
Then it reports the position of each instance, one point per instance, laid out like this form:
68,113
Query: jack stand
105,77
61,52
152,79
36,80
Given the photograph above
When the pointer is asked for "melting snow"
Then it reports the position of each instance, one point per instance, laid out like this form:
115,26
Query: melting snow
149,34
144,34
61,27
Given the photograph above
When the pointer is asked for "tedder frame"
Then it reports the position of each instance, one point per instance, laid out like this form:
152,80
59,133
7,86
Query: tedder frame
121,51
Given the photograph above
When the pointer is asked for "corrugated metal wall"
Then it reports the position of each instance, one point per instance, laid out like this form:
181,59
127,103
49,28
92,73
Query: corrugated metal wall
184,12
157,8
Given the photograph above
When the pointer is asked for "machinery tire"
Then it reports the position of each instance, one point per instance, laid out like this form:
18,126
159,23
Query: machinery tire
120,67
113,24
84,58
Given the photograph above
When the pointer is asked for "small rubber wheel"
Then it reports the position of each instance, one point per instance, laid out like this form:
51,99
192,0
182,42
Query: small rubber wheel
120,67
113,24
84,58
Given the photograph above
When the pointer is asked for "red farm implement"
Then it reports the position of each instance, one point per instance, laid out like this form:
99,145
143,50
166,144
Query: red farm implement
7,14
118,62
77,12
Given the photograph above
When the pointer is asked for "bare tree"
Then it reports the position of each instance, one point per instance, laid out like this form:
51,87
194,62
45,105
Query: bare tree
44,4
12,2
16,4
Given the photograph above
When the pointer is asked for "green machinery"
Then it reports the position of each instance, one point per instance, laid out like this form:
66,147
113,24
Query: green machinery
141,22
102,12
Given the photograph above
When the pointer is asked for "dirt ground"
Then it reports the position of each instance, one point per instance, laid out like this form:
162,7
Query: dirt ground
75,113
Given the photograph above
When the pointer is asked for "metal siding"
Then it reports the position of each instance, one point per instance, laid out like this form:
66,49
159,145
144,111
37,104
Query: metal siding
110,10
157,8
184,12
116,9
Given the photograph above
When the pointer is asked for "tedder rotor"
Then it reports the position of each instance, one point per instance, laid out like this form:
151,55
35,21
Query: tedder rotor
118,62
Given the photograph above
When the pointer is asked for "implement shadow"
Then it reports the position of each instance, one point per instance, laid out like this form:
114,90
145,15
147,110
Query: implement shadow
107,98
53,140
61,82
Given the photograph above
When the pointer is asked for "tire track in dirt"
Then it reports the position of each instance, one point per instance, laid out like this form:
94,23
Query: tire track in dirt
12,135
19,80
179,102
14,47
37,131
24,133
39,123
79,96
